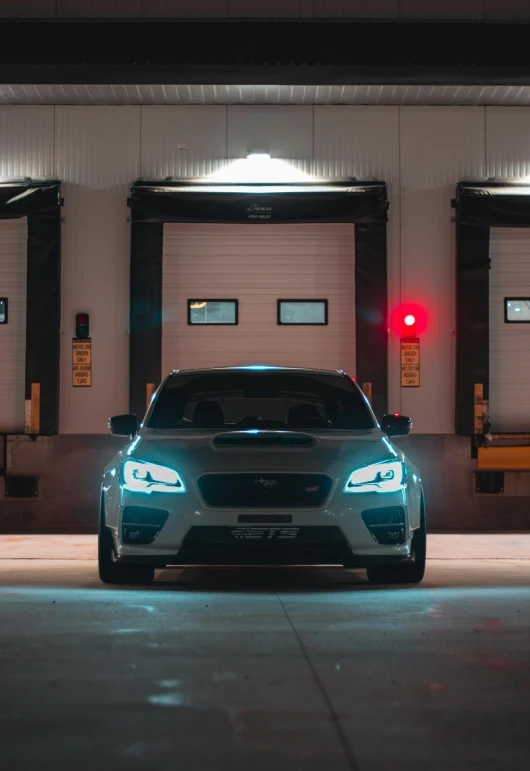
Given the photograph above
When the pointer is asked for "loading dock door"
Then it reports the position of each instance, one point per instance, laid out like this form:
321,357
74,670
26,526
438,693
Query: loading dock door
13,270
258,265
509,395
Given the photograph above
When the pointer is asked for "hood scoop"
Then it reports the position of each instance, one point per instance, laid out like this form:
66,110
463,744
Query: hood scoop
261,439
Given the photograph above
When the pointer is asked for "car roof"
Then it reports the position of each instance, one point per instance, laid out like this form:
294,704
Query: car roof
262,368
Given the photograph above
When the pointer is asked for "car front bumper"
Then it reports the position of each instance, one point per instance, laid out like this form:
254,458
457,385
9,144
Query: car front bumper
195,534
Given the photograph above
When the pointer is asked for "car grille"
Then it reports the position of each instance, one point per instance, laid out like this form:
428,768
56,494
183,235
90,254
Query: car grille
265,490
263,536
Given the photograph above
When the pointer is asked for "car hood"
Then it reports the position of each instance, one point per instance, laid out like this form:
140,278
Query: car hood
358,447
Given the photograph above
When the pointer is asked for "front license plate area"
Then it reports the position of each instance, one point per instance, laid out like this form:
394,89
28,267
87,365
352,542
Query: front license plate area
253,534
272,519
241,536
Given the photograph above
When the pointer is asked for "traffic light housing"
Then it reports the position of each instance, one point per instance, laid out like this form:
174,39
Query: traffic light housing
81,326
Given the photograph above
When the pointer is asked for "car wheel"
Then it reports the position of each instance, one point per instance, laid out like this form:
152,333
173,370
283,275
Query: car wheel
411,573
111,572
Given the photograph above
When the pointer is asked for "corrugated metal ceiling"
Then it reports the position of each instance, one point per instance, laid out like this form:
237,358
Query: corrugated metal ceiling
248,94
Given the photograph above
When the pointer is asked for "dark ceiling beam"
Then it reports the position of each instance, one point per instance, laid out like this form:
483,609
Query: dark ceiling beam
262,76
264,52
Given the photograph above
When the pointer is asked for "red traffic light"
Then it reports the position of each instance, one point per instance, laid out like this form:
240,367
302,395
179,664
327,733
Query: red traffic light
409,320
408,326
408,329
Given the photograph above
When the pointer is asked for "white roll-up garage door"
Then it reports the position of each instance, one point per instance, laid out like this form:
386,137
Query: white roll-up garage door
258,265
13,269
509,395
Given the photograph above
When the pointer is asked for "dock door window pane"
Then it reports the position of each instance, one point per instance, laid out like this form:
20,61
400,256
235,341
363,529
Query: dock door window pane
517,310
303,312
212,312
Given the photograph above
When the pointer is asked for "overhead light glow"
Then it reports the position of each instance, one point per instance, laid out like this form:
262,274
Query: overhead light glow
259,167
409,320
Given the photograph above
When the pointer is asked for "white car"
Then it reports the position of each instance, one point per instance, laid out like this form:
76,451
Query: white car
261,465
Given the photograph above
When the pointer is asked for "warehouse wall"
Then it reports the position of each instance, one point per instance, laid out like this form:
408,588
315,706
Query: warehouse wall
421,152
438,148
96,156
376,9
365,144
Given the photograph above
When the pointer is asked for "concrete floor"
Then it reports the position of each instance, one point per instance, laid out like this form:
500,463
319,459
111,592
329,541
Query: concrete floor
265,669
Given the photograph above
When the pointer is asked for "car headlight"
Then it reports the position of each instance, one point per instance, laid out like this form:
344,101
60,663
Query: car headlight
386,477
140,477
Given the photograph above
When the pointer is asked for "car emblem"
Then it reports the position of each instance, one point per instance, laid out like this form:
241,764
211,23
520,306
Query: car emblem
265,482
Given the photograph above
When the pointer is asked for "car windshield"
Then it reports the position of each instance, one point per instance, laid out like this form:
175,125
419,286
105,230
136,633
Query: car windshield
259,400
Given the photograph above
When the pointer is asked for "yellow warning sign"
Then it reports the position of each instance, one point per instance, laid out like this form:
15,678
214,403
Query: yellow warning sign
410,362
81,362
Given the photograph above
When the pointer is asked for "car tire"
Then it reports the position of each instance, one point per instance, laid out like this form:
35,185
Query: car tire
111,572
411,573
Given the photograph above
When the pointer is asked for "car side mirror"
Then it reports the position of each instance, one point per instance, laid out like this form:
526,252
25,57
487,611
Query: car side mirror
396,425
123,425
